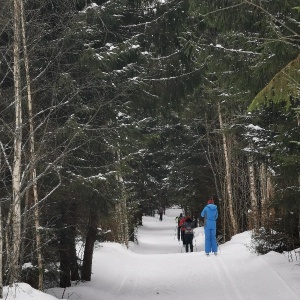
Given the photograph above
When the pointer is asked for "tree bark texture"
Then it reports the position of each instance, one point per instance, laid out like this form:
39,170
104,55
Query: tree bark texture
253,214
65,262
86,269
67,249
124,219
298,122
1,254
73,256
72,244
267,194
121,209
16,176
228,175
32,156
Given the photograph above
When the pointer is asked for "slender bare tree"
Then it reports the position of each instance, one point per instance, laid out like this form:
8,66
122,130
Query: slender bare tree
121,208
1,248
32,152
253,214
229,188
16,176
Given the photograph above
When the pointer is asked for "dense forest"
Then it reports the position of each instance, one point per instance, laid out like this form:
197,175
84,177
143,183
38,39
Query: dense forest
113,108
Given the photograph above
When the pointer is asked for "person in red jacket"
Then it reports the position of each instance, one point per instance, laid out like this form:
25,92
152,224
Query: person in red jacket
182,229
178,219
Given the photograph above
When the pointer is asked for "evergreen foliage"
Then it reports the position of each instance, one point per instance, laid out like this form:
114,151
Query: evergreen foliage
283,88
127,96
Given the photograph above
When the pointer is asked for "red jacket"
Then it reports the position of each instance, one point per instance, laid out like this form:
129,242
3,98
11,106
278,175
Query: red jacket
182,222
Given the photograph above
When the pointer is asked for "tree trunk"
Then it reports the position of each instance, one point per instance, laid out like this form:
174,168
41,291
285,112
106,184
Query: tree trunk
118,221
228,175
16,176
208,151
299,212
265,181
67,245
1,254
121,209
32,156
73,255
124,220
210,157
254,217
86,270
298,121
65,263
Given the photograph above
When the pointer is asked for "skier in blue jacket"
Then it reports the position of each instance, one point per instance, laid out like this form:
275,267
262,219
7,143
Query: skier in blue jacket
210,215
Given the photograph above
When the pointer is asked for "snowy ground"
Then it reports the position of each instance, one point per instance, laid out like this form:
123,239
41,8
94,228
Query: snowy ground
158,268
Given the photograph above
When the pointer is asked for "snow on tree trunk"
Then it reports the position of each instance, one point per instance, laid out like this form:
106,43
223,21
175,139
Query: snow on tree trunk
228,176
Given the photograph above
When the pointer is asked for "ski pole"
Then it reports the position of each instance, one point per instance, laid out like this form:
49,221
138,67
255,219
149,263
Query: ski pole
218,245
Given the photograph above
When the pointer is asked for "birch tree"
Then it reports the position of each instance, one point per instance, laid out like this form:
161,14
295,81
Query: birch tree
253,213
32,151
16,175
228,178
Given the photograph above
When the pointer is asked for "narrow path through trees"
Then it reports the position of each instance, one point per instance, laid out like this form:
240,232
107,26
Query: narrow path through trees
158,268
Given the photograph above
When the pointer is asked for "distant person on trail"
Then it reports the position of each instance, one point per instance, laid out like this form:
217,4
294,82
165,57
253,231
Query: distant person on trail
210,215
160,212
188,233
182,229
178,219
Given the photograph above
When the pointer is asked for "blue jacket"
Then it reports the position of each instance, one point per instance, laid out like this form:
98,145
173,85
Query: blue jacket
210,215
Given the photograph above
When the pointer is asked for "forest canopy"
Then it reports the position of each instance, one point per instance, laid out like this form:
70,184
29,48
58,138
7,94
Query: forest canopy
112,109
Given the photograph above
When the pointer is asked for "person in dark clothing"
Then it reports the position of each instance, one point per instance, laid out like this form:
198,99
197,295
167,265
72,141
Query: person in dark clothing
178,219
160,212
188,233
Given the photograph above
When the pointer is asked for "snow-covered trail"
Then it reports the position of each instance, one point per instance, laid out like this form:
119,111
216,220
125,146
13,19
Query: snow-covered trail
158,268
230,275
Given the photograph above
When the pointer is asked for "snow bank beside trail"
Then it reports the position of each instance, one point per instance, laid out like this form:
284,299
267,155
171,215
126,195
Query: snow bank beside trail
23,291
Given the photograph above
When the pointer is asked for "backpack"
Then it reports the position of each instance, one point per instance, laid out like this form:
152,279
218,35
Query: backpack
188,228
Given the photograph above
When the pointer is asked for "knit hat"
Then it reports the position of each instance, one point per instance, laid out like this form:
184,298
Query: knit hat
210,201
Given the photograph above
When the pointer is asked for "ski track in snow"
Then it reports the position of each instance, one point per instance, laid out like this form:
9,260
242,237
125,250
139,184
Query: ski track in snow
228,285
229,282
157,267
